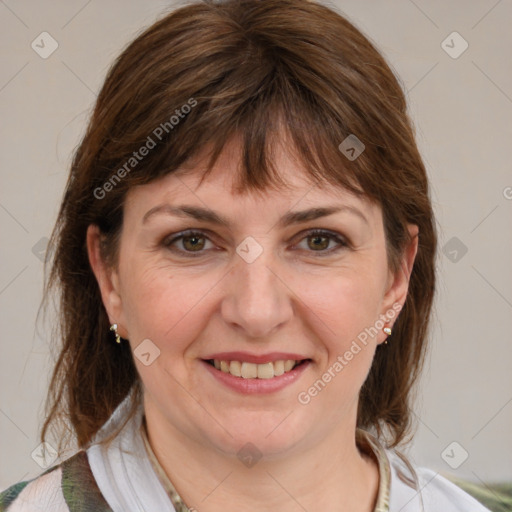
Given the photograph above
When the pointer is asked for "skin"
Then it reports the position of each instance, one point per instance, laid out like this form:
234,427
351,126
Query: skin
290,299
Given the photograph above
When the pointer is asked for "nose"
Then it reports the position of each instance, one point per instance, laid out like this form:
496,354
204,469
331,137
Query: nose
257,301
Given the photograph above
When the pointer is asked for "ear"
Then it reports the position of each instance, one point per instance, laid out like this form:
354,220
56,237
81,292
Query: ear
398,282
108,280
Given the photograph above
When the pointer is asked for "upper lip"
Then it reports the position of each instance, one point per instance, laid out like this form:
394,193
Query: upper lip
255,358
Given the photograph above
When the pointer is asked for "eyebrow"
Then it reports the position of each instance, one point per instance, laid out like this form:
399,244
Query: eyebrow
207,215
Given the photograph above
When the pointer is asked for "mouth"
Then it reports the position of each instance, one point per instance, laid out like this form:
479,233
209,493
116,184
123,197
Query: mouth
248,370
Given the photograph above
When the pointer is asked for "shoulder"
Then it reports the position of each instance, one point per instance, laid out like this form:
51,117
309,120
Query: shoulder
65,487
416,488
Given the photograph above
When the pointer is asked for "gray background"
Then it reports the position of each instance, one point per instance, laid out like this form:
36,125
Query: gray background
462,109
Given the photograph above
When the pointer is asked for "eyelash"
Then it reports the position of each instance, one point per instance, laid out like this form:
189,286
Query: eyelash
309,234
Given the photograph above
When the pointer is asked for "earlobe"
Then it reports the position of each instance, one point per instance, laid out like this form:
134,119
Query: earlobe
106,277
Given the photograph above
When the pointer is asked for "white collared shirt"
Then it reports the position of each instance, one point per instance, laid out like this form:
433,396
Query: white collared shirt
125,476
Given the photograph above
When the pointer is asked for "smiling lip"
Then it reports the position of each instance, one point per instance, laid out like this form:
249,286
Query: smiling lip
249,386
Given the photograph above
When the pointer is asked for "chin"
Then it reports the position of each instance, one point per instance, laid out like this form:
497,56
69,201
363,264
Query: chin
267,434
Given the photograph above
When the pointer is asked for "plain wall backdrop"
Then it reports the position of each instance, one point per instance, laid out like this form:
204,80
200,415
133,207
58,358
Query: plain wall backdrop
461,103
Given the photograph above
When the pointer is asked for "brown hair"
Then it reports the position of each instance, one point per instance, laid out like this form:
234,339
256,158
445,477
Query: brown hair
261,71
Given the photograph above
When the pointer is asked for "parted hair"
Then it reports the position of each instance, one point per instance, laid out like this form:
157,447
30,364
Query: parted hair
262,71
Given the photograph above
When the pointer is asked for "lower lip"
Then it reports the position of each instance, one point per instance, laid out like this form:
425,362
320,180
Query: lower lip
257,386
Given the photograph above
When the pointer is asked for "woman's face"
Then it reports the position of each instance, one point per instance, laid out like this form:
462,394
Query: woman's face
251,296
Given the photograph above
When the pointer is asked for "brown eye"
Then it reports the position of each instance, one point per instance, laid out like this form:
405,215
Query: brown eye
192,243
318,241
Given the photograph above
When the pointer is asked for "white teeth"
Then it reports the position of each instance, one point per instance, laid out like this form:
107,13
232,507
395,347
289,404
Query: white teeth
255,371
249,370
278,368
288,365
265,371
235,368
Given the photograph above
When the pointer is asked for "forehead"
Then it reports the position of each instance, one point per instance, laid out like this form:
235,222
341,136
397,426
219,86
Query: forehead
218,190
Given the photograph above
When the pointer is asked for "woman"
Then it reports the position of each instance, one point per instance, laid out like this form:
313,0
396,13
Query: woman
245,261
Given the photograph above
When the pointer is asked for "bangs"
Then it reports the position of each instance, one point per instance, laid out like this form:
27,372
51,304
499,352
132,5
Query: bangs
263,95
267,128
278,114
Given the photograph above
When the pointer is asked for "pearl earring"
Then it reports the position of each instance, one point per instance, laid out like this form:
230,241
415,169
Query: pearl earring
387,330
113,328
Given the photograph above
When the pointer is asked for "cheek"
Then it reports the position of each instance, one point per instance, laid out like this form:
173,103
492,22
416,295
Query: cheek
164,307
346,303
346,308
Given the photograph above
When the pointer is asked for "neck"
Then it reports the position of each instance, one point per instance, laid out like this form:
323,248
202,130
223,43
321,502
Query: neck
330,475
